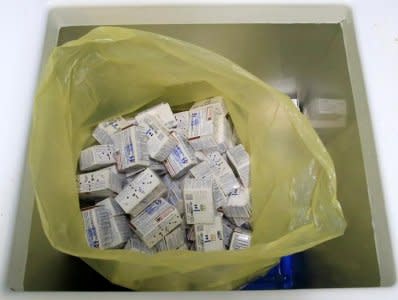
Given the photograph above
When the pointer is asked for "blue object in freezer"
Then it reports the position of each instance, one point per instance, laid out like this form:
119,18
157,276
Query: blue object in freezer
284,275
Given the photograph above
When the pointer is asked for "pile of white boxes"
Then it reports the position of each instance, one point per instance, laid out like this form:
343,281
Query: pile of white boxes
166,181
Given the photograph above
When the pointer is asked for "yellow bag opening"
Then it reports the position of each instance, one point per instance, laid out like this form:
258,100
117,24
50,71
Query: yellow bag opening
114,71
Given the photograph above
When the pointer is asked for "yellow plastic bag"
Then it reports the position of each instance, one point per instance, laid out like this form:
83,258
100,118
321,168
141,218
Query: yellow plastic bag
115,71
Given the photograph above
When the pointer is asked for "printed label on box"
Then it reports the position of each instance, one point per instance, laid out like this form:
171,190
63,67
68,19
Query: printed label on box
198,198
209,237
144,189
131,147
240,160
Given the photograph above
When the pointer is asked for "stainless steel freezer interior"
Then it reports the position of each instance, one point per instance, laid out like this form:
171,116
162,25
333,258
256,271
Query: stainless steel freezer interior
310,59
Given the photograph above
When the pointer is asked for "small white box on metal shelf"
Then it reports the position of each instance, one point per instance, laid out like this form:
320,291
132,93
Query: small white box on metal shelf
326,108
325,113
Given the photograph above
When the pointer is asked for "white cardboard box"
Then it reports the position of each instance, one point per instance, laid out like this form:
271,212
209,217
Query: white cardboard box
198,199
131,149
172,241
104,229
182,119
160,142
134,243
203,170
326,108
156,221
240,161
215,103
99,184
210,237
104,131
238,204
241,239
145,188
228,229
181,158
96,157
174,195
222,173
162,112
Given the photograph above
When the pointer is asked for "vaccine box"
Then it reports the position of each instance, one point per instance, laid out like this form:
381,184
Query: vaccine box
208,128
222,172
172,241
201,130
104,131
204,170
240,161
157,167
119,222
162,112
209,237
145,188
134,243
174,194
198,199
238,204
215,103
228,228
103,230
223,133
240,222
99,184
182,119
155,222
112,206
181,158
240,239
131,149
96,157
160,142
